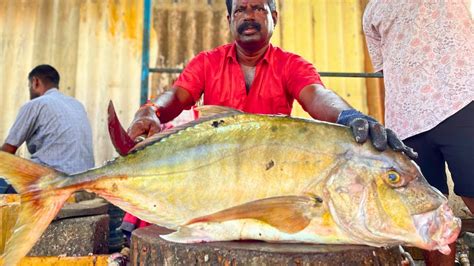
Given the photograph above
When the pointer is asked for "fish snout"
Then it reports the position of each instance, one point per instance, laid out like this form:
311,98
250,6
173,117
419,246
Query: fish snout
448,227
438,228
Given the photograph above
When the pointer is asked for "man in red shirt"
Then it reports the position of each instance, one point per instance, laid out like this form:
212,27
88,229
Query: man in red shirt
253,76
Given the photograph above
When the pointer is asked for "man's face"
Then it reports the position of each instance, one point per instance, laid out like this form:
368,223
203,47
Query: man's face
251,23
32,85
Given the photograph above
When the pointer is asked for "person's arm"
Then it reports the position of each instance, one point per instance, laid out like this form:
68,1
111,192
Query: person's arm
9,148
373,39
23,128
321,103
326,105
166,107
171,103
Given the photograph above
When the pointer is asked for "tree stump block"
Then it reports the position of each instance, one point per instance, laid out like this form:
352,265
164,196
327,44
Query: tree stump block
78,236
148,248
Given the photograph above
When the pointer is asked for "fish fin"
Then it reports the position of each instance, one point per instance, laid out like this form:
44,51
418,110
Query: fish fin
188,235
38,207
213,110
23,174
36,213
119,137
289,214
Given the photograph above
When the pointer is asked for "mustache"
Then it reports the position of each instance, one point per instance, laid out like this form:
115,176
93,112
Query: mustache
248,24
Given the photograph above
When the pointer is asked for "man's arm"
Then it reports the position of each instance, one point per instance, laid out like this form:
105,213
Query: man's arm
23,128
9,148
167,106
321,103
373,38
171,103
326,105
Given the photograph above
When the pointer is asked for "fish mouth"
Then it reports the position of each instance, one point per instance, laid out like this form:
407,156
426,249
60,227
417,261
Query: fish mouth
438,228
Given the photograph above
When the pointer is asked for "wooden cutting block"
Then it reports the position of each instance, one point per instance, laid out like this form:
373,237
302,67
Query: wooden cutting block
148,248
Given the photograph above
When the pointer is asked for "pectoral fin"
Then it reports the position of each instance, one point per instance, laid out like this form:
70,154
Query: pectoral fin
289,214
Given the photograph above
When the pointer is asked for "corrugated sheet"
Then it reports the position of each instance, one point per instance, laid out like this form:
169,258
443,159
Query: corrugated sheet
96,46
182,29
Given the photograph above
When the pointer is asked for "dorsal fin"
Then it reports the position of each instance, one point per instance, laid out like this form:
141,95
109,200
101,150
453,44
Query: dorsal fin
206,113
213,110
119,137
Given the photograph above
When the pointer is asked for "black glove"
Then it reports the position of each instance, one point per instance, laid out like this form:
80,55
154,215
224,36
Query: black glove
364,126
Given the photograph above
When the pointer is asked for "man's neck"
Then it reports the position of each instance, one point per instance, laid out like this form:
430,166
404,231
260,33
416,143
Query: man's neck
250,58
49,89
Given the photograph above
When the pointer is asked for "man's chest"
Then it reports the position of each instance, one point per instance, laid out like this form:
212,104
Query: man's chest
249,75
254,89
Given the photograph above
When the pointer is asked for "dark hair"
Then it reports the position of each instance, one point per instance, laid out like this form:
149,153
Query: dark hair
271,4
45,73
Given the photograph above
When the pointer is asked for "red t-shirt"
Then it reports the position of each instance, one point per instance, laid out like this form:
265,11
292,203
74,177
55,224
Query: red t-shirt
279,78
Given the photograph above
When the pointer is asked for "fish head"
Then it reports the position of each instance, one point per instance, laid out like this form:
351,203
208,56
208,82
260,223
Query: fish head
383,199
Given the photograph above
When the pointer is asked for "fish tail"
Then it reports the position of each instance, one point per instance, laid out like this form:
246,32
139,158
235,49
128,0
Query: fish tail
41,199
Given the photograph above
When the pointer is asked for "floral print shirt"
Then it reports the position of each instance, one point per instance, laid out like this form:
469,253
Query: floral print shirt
426,51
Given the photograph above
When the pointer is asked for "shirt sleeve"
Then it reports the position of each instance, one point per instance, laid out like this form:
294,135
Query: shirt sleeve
300,73
372,38
192,77
24,126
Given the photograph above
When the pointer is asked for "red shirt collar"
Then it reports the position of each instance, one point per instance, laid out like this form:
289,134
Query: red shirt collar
232,55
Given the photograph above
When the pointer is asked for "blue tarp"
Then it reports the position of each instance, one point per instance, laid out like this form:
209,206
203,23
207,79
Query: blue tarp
5,188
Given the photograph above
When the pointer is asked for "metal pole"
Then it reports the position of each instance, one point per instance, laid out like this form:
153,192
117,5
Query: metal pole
322,74
146,51
351,75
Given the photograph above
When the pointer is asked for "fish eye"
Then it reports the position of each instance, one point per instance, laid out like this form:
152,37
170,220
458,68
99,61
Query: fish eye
393,177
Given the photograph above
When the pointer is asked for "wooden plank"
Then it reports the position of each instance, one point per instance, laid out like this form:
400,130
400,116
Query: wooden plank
97,260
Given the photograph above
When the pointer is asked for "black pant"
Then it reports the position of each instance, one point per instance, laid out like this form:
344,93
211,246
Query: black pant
452,141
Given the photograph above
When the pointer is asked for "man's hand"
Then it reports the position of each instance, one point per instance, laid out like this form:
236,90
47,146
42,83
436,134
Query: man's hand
364,127
146,123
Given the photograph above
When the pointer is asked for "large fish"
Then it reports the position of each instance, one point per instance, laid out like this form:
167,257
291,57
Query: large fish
234,175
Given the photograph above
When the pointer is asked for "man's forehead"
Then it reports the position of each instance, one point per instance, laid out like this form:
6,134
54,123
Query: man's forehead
249,2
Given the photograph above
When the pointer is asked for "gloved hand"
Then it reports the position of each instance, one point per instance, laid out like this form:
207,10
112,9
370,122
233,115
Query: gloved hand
364,126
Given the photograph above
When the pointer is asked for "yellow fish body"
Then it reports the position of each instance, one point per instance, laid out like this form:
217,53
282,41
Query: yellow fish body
237,176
